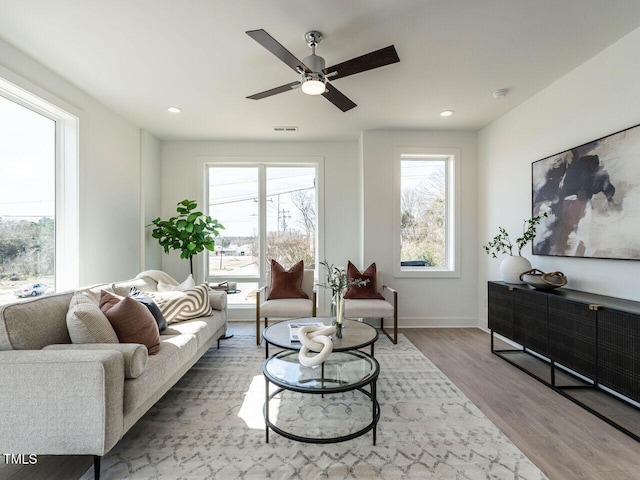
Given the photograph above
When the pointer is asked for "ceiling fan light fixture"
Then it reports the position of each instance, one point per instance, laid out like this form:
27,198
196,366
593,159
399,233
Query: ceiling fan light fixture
313,87
313,84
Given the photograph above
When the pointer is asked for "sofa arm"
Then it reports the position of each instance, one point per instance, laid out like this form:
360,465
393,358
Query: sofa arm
61,402
218,299
135,355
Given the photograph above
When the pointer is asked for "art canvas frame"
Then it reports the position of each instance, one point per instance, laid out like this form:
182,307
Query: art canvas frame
591,195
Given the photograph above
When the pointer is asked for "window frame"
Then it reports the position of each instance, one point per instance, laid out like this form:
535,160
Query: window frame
262,163
67,119
452,211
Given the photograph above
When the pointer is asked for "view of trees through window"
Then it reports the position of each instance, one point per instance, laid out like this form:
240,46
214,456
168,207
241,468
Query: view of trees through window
423,212
288,227
27,201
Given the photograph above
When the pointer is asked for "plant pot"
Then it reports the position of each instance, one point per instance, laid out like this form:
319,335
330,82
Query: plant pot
511,268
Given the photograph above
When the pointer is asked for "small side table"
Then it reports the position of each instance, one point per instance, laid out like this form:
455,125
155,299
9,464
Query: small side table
226,335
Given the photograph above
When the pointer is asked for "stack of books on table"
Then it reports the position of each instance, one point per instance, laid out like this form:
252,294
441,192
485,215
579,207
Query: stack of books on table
294,328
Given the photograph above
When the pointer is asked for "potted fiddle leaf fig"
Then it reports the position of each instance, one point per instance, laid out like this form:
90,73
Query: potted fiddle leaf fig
190,232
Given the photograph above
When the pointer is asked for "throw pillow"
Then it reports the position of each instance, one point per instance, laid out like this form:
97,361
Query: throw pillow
86,322
186,285
363,292
146,300
132,321
286,283
179,306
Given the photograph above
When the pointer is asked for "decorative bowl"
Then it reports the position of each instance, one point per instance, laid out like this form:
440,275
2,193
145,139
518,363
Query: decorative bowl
543,281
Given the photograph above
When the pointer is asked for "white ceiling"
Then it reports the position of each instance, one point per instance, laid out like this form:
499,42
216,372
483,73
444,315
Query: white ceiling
140,56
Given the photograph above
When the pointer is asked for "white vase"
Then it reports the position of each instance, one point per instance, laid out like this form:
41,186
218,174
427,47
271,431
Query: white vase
511,268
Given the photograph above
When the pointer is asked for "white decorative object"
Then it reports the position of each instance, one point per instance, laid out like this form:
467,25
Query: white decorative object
315,339
511,268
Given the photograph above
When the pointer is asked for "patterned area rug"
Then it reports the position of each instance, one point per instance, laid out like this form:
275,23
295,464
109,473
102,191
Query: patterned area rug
210,425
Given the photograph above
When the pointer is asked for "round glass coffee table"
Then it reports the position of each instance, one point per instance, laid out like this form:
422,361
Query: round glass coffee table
355,335
342,372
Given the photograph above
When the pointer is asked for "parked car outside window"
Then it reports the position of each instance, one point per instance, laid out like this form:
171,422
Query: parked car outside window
31,290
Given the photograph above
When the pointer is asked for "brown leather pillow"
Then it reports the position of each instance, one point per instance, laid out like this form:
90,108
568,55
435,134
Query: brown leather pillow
286,283
363,292
132,321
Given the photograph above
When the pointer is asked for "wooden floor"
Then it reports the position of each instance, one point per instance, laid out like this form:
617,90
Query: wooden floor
562,439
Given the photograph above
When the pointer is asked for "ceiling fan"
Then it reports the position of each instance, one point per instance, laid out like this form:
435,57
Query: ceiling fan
314,77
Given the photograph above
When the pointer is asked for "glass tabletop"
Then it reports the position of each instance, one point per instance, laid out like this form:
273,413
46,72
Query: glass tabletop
342,371
355,334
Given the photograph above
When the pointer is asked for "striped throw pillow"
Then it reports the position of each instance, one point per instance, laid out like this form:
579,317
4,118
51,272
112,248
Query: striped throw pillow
178,306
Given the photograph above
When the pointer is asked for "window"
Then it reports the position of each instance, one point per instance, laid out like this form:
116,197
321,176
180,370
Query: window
426,214
268,211
37,161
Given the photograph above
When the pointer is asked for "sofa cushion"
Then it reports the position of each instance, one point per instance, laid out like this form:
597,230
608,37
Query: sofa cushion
178,306
362,292
86,322
175,351
132,321
135,355
34,323
202,328
286,283
146,300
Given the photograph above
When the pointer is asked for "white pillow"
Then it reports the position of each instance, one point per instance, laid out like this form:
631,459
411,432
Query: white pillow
86,322
177,306
186,285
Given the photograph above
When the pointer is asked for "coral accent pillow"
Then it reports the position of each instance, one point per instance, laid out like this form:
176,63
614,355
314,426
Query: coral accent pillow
132,321
286,283
364,292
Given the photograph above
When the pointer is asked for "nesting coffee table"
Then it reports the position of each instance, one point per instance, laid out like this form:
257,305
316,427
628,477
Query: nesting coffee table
355,335
347,369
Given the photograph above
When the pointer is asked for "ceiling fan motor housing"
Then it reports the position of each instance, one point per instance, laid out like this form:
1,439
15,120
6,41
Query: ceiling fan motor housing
314,62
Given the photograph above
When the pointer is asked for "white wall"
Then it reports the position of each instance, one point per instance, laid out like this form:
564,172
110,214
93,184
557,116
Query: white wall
151,197
109,173
600,97
183,173
423,301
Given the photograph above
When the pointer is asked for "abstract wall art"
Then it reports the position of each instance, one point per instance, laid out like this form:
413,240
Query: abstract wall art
591,195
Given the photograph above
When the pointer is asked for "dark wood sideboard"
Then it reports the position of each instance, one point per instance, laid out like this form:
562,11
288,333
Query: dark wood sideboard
584,346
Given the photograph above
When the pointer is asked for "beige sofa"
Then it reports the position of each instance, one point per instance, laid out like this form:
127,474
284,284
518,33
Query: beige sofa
60,398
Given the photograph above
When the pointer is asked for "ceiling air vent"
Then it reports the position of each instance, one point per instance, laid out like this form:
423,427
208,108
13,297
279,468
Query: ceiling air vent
285,129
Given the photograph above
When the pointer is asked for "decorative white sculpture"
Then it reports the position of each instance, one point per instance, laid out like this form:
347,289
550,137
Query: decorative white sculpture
315,339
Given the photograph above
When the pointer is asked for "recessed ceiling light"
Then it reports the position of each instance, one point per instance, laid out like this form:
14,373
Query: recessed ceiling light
446,113
174,109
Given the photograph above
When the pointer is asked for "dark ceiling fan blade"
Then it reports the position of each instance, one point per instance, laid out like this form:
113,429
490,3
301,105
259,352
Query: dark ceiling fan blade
274,91
369,61
271,44
336,97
